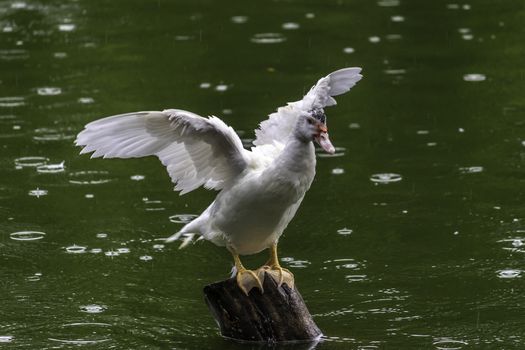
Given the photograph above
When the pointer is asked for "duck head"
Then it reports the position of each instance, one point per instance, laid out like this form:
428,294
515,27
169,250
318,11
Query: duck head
312,127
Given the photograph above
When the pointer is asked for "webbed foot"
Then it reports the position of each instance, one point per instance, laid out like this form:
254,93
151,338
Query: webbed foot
248,279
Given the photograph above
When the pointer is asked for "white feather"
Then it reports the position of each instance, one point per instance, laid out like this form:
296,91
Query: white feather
261,189
279,125
196,151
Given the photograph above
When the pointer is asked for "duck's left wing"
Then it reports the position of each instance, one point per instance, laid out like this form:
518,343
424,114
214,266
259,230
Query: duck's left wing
196,151
280,124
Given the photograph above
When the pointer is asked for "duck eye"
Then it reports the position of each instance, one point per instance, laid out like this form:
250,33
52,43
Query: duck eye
310,121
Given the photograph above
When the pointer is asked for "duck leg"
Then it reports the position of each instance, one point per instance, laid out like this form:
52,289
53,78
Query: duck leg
246,279
274,269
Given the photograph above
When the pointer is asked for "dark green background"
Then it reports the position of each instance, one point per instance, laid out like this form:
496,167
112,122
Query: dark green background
425,263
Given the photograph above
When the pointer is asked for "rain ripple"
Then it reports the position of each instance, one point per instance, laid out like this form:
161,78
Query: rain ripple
6,338
385,178
509,273
93,308
27,235
29,162
51,134
89,177
182,218
448,344
83,333
51,168
49,91
268,38
13,54
474,77
10,102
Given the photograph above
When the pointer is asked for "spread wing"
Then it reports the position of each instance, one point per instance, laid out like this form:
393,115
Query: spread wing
280,124
195,150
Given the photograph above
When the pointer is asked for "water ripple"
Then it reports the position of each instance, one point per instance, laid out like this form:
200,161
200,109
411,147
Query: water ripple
27,235
82,333
448,344
182,218
89,177
10,102
268,38
385,178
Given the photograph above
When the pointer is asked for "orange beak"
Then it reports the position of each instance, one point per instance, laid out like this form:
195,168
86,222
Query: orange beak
323,140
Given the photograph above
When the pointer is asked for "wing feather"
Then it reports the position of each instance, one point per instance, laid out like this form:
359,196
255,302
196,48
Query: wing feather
277,128
196,151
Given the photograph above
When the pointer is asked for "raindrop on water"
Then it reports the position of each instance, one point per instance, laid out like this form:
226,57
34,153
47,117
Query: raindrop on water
51,168
25,162
11,102
345,231
89,177
448,344
290,26
86,100
348,50
385,178
6,338
76,249
182,218
471,169
474,77
397,18
66,27
48,91
37,193
146,258
27,235
221,87
509,273
374,39
239,19
268,38
60,55
93,308
338,171
137,177
388,3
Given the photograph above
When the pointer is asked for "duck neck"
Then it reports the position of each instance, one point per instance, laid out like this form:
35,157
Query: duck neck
298,156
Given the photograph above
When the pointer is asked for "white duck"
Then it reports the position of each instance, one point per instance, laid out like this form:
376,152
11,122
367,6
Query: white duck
260,190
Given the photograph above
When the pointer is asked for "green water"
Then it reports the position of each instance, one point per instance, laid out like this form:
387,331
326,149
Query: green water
433,261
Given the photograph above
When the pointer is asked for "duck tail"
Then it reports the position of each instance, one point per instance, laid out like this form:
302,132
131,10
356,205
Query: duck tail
187,233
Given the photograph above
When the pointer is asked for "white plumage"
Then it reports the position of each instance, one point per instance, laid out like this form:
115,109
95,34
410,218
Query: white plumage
260,189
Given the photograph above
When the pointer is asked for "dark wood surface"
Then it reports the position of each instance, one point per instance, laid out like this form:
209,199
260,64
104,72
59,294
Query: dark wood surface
277,315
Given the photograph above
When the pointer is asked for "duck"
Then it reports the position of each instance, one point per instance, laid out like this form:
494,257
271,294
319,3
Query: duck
260,190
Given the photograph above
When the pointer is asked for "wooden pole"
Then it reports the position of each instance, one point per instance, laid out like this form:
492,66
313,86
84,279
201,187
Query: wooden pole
277,315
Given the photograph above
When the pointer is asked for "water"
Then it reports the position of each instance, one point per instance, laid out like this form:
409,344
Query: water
410,238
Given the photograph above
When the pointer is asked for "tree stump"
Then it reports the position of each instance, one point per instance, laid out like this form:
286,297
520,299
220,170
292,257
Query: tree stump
277,315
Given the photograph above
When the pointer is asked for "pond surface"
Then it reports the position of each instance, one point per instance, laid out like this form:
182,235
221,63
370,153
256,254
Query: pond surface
411,237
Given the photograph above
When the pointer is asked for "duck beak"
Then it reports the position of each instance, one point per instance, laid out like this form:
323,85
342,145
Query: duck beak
323,140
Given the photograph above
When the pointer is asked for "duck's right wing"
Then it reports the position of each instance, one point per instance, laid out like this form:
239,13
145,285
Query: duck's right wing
196,151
